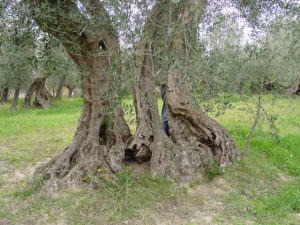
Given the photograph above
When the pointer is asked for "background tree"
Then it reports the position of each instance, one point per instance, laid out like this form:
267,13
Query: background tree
44,67
16,52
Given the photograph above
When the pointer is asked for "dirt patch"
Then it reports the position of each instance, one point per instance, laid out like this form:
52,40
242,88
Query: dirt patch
201,205
284,178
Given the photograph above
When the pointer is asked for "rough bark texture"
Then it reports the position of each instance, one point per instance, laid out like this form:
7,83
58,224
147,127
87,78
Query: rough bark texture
152,43
42,95
196,141
102,133
14,105
4,96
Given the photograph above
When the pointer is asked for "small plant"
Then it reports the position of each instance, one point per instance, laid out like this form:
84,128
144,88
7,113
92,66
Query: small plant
274,130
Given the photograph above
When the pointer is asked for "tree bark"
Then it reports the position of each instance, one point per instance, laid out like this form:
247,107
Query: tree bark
152,43
59,89
195,140
4,96
14,105
294,90
42,95
102,133
198,139
30,92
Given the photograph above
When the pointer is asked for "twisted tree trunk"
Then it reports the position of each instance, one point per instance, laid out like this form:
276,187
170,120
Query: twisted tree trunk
42,95
30,92
152,43
4,96
195,140
102,133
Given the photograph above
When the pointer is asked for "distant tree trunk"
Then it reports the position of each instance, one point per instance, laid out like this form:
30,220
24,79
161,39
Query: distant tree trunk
4,96
30,92
42,95
294,90
70,91
59,89
14,105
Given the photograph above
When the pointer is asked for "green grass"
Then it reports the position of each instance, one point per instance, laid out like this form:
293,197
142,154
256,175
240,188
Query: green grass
264,186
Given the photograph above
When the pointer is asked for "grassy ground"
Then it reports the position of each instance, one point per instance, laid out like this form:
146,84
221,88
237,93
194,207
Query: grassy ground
264,188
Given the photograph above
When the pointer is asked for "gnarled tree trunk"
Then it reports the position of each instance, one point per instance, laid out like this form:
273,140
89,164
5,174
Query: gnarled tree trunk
30,92
152,43
42,95
102,133
195,139
4,96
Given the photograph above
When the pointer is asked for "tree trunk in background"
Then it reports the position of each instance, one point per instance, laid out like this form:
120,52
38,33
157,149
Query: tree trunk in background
14,105
30,92
59,89
102,133
294,90
70,91
42,95
4,96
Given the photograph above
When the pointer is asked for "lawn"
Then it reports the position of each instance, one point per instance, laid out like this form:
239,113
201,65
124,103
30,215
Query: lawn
263,188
